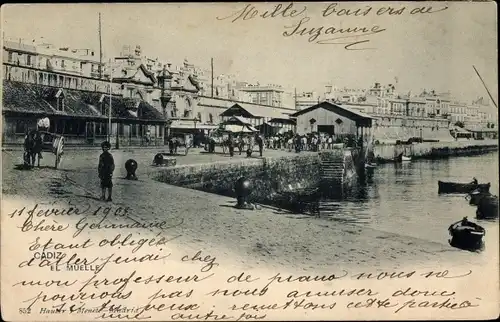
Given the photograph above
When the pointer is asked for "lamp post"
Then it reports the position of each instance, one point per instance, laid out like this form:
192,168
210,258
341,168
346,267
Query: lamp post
110,129
110,94
195,120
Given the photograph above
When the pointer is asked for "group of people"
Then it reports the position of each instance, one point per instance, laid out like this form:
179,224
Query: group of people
287,141
242,141
307,142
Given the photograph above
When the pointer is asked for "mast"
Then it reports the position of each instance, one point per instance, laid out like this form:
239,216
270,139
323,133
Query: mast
295,97
100,48
491,97
212,72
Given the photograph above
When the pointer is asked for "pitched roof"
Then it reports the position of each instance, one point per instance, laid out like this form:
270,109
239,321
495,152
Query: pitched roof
256,110
336,108
40,99
352,109
19,97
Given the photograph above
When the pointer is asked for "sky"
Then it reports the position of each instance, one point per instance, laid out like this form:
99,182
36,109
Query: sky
422,50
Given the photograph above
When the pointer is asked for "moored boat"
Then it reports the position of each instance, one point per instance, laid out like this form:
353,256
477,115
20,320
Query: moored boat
402,158
466,235
487,207
475,196
454,187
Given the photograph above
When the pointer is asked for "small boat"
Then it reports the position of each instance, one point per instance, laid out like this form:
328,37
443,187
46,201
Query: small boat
402,158
453,187
487,207
466,235
475,196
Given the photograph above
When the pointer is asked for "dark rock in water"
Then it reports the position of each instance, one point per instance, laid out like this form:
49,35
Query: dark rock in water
466,235
487,207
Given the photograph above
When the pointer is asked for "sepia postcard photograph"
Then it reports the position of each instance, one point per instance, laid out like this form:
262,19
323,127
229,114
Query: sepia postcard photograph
249,161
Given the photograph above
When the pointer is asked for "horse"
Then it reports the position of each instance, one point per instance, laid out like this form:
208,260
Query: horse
32,148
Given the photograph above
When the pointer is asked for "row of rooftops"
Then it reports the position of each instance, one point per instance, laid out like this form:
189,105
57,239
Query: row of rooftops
47,49
21,97
44,100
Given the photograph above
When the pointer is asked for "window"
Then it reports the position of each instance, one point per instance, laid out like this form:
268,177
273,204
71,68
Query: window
210,118
121,129
20,127
339,121
103,108
28,60
199,117
186,113
63,65
10,57
60,103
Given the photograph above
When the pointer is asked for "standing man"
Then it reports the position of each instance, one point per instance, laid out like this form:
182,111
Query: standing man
230,143
105,170
258,140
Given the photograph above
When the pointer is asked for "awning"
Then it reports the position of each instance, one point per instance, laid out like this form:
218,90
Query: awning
189,124
234,128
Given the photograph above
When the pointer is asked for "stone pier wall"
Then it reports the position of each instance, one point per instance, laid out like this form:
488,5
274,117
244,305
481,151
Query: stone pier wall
271,178
436,150
275,181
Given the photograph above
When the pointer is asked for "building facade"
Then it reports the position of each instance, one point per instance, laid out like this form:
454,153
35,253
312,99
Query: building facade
306,99
270,95
68,87
331,119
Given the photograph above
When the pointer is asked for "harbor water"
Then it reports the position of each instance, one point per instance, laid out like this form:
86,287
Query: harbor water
403,198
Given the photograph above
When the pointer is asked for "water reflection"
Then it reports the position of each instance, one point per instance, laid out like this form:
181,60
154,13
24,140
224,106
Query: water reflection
402,198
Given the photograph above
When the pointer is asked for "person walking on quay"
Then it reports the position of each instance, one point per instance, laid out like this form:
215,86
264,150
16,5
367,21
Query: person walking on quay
258,140
106,169
230,143
330,142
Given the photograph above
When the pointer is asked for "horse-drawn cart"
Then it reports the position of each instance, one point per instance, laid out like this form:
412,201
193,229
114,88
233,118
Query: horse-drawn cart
180,140
53,143
37,142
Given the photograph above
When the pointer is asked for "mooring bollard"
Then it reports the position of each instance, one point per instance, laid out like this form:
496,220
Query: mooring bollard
131,167
158,159
162,159
243,188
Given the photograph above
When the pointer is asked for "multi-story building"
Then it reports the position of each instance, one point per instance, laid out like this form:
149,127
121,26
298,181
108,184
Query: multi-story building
437,105
271,95
416,107
343,95
83,62
382,91
458,112
306,99
487,115
65,86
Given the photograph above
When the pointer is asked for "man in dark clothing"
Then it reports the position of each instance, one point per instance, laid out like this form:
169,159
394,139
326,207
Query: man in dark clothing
105,169
260,143
230,143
